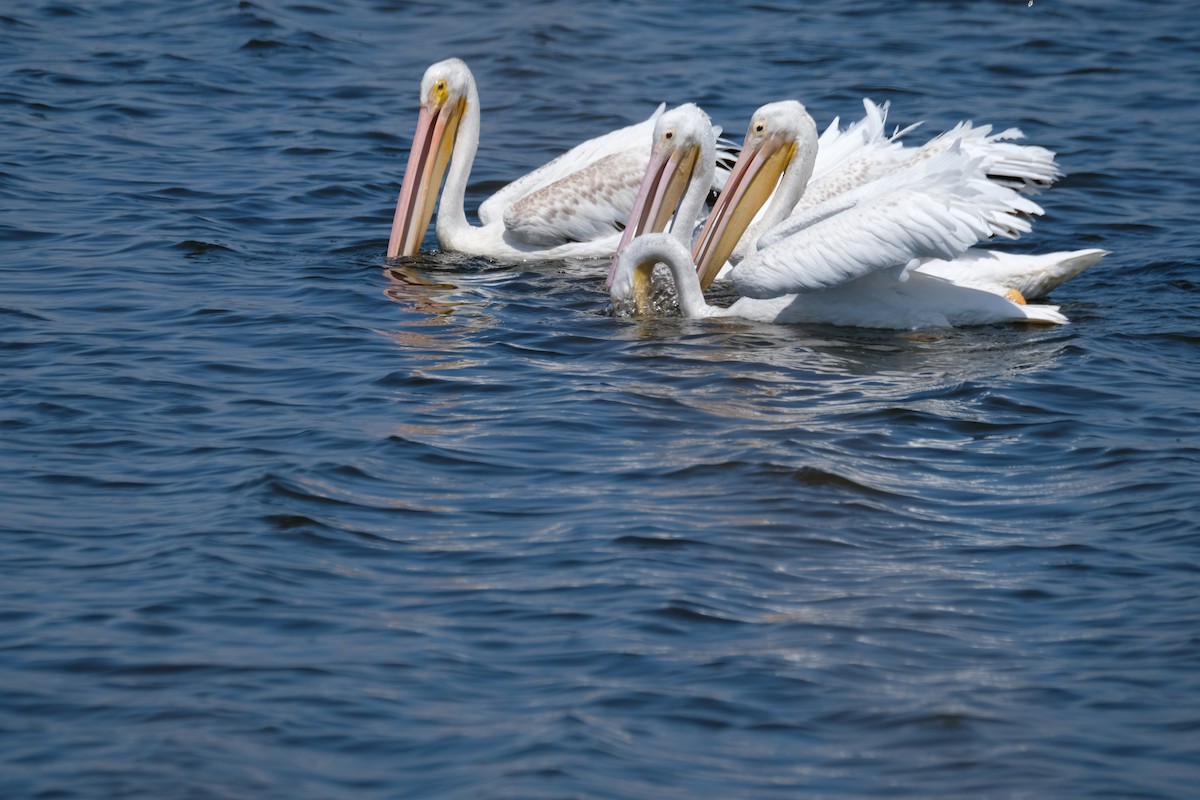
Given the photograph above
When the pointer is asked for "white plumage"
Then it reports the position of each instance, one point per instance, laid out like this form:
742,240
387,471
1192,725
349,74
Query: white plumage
896,298
1032,275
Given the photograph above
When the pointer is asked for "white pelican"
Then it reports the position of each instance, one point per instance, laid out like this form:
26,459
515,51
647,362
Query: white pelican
781,152
849,159
865,277
571,207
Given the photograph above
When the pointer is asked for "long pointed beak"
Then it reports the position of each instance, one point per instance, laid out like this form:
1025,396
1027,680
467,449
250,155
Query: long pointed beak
752,180
666,180
432,145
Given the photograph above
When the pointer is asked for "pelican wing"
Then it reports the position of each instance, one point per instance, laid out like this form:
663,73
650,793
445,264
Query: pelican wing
635,138
838,148
1026,167
887,223
587,204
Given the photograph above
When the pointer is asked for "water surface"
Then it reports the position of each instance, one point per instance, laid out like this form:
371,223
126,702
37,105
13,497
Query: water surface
280,521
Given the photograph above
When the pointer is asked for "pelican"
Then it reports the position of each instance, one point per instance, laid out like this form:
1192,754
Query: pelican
850,159
774,171
866,277
571,207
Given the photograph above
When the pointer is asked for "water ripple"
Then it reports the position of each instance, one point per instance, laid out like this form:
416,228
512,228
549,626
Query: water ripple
283,520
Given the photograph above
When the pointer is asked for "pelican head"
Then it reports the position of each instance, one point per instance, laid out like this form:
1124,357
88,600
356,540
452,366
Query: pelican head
630,279
683,152
780,135
446,89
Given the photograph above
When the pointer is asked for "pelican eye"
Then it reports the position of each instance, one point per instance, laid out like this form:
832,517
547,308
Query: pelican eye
759,128
669,135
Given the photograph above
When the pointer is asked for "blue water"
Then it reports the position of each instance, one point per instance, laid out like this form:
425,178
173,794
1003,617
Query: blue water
279,522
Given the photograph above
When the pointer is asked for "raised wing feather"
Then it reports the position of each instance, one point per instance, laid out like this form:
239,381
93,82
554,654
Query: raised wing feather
838,146
1026,167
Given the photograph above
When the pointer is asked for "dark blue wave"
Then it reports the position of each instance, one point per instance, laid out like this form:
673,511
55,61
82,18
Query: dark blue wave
279,520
